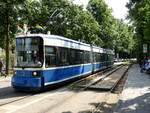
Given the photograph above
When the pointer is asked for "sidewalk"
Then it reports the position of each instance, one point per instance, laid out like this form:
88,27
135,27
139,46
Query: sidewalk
5,82
2,78
135,97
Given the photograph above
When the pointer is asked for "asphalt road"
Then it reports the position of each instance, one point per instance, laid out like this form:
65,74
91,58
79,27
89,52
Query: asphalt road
60,100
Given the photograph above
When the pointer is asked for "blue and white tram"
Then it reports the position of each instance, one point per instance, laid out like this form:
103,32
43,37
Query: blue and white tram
44,60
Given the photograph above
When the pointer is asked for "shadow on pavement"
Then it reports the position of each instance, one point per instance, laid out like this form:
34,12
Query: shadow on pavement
139,104
9,92
103,108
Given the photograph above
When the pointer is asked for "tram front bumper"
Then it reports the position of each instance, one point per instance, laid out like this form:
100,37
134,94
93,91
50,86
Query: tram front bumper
24,83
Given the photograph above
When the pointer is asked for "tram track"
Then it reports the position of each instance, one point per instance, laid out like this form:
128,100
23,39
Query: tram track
112,90
86,82
101,78
76,95
71,96
20,96
117,83
15,95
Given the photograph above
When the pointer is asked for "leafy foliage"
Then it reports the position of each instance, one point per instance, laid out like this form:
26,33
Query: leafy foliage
9,17
61,17
114,33
102,14
139,14
8,25
94,25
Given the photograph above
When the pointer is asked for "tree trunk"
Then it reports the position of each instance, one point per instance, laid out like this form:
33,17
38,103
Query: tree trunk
7,44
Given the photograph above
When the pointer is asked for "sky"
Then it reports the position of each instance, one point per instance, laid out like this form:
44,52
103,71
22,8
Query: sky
118,7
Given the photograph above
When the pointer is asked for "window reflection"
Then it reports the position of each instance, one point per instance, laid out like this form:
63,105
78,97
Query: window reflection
29,52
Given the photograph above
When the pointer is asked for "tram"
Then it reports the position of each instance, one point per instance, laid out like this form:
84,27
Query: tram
43,60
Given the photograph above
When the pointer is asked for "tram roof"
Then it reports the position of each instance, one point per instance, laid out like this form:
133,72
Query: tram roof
46,36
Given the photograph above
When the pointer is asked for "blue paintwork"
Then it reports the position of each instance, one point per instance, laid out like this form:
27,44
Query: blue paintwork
24,78
34,82
98,66
63,73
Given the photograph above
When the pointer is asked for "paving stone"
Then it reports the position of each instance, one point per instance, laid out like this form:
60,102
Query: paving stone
135,97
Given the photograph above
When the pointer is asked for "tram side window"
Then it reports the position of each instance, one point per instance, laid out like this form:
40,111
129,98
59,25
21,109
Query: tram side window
103,57
109,57
97,57
112,58
94,57
72,56
50,56
86,57
63,54
76,56
79,57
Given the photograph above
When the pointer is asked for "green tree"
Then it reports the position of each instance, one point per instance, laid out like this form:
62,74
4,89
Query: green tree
61,17
114,33
8,23
125,39
81,25
140,18
102,14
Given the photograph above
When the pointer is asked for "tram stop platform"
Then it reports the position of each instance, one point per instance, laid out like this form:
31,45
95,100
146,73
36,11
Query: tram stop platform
135,97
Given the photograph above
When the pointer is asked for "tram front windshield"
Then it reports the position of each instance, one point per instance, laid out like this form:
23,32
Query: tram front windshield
29,52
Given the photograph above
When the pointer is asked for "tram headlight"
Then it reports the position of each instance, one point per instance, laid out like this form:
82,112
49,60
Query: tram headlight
34,73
